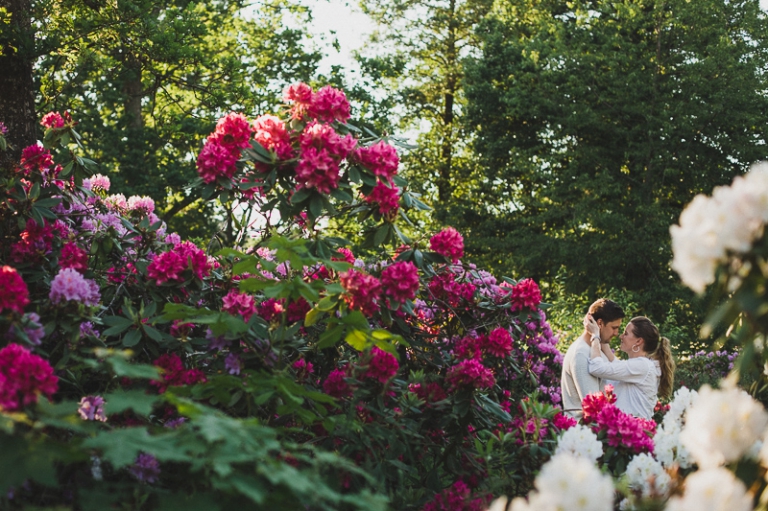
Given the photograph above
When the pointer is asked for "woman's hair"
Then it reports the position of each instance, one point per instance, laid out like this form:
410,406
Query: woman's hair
657,348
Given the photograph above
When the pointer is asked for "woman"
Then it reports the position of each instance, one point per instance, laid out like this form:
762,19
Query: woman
648,373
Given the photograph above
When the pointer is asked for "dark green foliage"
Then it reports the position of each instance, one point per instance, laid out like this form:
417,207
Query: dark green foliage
596,123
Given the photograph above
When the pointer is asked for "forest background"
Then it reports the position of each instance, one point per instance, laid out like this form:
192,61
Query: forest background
561,138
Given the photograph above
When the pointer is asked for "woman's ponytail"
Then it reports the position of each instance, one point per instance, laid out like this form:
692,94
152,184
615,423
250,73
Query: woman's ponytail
663,354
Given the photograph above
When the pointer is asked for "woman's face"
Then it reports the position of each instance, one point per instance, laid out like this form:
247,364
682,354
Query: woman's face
630,340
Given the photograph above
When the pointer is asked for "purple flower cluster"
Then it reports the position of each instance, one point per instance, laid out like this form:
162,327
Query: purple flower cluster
69,285
92,409
146,468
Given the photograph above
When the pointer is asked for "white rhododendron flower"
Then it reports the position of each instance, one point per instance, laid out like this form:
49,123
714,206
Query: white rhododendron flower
681,402
714,489
647,475
667,447
711,227
722,425
581,442
568,482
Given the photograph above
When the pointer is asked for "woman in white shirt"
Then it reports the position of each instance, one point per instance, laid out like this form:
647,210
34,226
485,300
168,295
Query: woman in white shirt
648,373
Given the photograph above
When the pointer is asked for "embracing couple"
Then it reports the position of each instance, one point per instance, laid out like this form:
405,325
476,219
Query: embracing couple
589,363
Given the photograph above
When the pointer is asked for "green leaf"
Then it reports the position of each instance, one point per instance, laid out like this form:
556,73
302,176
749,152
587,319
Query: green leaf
132,338
358,339
137,400
313,316
330,337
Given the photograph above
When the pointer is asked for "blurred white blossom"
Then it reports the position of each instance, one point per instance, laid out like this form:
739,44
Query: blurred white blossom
568,482
722,425
581,442
647,475
714,489
711,227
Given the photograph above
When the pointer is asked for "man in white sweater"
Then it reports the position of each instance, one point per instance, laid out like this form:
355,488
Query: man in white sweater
576,382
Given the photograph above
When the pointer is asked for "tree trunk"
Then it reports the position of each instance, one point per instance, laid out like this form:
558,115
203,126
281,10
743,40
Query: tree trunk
17,95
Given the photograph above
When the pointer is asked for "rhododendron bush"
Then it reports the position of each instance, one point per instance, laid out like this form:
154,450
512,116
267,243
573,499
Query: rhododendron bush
141,370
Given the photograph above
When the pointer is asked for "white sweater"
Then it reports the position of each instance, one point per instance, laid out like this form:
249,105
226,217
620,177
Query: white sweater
576,382
635,382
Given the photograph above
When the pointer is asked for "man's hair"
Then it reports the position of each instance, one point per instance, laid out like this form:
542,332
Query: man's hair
607,310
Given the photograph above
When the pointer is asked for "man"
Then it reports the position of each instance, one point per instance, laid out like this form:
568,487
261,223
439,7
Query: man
576,381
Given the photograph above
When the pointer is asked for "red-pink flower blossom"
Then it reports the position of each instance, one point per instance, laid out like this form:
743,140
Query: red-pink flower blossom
72,256
429,393
216,160
237,303
525,295
166,267
193,258
36,241
362,291
387,197
233,131
36,157
271,133
469,346
301,94
448,243
381,365
444,287
317,169
499,343
14,295
297,310
335,385
23,377
52,120
400,281
470,373
380,158
323,136
563,422
456,498
174,374
624,430
270,309
593,403
329,104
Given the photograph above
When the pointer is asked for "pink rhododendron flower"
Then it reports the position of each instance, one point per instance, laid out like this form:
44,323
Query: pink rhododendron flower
448,243
36,241
216,160
317,169
329,104
323,136
271,133
167,267
69,285
233,131
72,256
381,365
174,374
444,287
499,343
386,197
193,258
563,422
429,393
237,303
362,291
455,498
335,385
144,205
470,373
116,202
301,95
303,368
525,294
380,158
400,281
470,346
92,408
35,158
625,430
23,377
14,295
270,309
593,403
97,183
297,310
52,120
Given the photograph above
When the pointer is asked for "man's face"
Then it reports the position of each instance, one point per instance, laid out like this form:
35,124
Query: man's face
608,330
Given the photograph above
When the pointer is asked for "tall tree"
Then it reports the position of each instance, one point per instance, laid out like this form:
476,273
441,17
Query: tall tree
422,44
17,107
597,122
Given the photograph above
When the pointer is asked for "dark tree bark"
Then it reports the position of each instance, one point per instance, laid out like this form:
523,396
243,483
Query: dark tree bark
17,97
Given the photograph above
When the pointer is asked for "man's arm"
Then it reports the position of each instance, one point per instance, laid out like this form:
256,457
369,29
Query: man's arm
585,382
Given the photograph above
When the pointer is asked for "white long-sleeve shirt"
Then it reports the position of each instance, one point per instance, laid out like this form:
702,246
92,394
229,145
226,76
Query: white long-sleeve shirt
635,383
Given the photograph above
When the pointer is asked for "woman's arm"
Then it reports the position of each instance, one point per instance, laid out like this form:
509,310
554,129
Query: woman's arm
634,370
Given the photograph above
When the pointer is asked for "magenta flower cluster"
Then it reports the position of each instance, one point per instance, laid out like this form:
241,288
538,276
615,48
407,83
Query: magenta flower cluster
382,366
470,373
23,377
456,497
322,150
449,243
219,155
69,285
362,291
171,266
400,281
14,295
237,303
